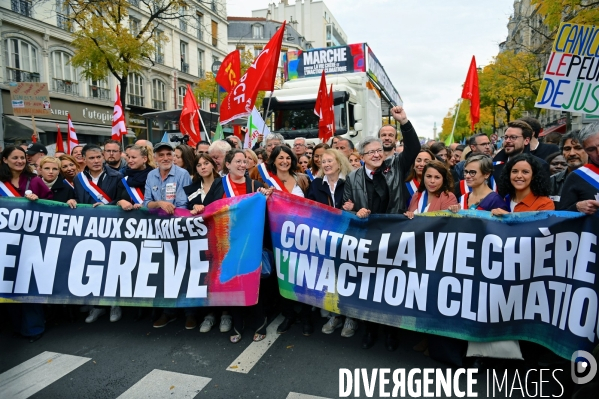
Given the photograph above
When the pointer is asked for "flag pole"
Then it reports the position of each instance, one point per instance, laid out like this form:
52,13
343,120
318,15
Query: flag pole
455,121
266,112
204,127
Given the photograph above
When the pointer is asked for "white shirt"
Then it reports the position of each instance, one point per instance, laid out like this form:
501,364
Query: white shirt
332,186
369,173
297,191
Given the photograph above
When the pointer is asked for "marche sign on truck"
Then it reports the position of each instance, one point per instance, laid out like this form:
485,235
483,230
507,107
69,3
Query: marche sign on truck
363,93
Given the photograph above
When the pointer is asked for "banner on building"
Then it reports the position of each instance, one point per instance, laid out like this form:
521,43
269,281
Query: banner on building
470,276
571,81
50,253
333,60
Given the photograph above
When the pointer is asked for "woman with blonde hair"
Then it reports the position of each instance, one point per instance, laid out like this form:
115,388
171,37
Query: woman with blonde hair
69,167
50,173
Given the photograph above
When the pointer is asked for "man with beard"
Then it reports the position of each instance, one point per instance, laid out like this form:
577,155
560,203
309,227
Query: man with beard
582,185
478,143
575,157
538,149
112,156
388,135
516,138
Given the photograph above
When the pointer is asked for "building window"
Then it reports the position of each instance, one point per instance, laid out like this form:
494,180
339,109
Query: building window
21,63
182,19
199,26
134,26
159,50
184,63
258,31
201,71
62,16
215,33
214,6
99,89
181,95
158,94
64,76
136,90
23,7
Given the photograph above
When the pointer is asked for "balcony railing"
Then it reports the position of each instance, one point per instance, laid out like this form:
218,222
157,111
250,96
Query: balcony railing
201,73
200,33
160,59
183,24
62,21
134,3
185,67
136,100
99,92
23,7
16,75
65,86
157,104
215,41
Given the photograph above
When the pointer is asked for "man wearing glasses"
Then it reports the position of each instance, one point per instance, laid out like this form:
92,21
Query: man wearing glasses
299,146
516,139
378,187
112,156
479,143
581,189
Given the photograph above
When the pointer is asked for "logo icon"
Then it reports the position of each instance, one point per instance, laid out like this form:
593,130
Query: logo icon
584,367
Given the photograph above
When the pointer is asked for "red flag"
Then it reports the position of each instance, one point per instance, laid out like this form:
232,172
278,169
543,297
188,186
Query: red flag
259,76
472,93
237,132
189,121
73,141
323,109
119,130
230,71
59,143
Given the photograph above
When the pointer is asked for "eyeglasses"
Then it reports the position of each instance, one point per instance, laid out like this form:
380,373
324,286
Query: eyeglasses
511,138
372,152
472,173
299,145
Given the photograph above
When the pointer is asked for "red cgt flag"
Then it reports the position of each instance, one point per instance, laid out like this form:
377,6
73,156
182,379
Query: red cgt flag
119,130
72,139
259,76
59,143
323,109
189,121
230,71
471,92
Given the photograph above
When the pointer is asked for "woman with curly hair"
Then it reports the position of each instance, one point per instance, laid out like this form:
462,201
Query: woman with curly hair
435,192
525,185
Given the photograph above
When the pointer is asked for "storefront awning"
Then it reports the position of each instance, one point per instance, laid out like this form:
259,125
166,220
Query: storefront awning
23,127
561,128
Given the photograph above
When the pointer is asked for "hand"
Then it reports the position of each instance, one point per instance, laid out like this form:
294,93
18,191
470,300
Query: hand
167,207
348,206
97,204
126,205
399,114
72,203
499,212
454,208
363,213
409,214
260,138
197,209
588,207
31,197
266,191
137,206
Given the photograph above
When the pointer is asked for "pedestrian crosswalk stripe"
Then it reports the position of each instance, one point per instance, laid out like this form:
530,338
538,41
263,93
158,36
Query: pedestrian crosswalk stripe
294,395
253,353
166,384
35,374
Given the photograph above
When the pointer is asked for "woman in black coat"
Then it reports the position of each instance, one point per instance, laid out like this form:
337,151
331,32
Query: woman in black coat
206,185
50,173
131,195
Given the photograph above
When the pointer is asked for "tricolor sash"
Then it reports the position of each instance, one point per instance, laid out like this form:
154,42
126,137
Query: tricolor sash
69,183
137,196
464,188
230,188
412,187
423,201
590,174
492,182
464,201
8,190
93,190
309,174
270,179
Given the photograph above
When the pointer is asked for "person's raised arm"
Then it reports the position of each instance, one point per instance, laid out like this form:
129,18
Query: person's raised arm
411,143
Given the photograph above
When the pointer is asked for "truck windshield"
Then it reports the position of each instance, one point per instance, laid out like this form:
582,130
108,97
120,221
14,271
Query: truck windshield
306,119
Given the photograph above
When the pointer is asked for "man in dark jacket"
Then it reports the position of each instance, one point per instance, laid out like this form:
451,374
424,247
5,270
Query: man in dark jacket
537,148
98,184
575,157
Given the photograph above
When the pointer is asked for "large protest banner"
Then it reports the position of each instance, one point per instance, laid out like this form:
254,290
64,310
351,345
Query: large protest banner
50,253
471,276
571,81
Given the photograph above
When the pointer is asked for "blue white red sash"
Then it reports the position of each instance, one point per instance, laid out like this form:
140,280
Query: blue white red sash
464,201
412,187
230,188
309,174
464,188
93,190
270,179
590,174
492,182
8,190
137,196
423,201
69,183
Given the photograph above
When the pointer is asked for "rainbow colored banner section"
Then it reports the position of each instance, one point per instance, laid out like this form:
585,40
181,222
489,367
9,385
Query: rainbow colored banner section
471,276
50,253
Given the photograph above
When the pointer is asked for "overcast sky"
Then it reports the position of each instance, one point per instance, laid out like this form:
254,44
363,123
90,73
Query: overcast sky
424,45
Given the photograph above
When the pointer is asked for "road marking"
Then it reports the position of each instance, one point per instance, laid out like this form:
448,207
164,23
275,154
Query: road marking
35,374
166,384
253,353
295,395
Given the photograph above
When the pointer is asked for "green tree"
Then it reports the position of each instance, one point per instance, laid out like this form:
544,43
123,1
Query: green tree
106,43
576,11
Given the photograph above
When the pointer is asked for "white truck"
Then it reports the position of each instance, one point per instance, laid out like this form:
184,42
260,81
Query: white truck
363,93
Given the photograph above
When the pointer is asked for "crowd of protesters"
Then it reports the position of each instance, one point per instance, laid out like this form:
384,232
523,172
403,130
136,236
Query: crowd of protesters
380,175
